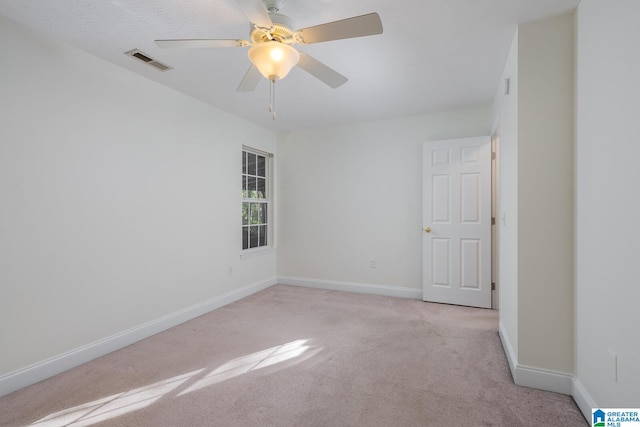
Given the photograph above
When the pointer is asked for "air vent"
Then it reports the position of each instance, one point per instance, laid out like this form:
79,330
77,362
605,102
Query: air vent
135,53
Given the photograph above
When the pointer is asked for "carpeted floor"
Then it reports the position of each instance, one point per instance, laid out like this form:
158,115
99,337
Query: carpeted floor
290,356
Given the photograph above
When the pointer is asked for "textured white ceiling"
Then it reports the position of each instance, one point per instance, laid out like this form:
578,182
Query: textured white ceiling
434,55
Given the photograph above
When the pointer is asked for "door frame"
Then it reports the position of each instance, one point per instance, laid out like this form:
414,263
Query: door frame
495,221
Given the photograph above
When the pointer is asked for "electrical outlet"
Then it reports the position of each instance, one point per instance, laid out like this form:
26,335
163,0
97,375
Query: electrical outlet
372,263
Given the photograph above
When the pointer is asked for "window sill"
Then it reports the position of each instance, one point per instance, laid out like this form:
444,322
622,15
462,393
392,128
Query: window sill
252,253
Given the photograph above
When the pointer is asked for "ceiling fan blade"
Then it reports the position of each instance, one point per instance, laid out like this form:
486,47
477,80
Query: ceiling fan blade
321,71
256,12
200,43
358,26
250,80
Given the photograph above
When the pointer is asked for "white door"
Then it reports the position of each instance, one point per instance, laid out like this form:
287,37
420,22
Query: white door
457,221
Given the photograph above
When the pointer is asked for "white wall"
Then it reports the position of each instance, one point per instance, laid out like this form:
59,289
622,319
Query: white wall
608,206
120,200
349,194
545,193
535,122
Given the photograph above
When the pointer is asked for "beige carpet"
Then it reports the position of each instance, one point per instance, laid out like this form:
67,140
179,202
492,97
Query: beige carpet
290,356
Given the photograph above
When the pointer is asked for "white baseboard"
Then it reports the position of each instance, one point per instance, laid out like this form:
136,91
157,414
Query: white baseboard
361,288
583,399
544,379
47,368
528,376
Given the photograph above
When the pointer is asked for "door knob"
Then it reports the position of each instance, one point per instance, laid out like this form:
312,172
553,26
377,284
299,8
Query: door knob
427,230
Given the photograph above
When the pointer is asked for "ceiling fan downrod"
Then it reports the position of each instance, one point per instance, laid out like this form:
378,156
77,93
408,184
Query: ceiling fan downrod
273,6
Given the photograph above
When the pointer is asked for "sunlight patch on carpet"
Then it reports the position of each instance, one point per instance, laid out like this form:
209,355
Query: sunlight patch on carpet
123,403
252,362
114,405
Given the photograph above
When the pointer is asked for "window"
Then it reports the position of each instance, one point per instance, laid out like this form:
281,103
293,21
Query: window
256,199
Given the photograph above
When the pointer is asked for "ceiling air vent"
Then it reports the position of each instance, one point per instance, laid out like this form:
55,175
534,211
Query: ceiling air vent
135,53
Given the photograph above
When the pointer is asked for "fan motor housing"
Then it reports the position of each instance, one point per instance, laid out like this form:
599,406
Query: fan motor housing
282,30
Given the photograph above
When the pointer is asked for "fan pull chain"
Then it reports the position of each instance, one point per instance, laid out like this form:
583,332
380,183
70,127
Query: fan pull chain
272,98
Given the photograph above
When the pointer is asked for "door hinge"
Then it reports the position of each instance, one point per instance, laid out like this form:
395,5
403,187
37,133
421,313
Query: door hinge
493,155
493,286
493,220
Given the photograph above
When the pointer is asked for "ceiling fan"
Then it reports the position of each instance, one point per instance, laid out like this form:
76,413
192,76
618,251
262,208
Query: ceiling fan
272,38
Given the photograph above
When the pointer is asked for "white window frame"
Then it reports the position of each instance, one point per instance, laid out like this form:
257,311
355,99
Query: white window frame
259,250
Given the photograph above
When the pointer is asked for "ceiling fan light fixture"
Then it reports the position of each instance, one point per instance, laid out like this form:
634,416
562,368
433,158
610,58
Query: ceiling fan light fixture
273,59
